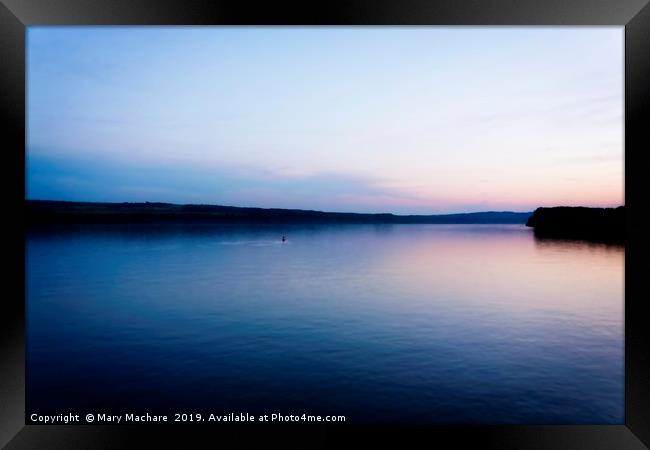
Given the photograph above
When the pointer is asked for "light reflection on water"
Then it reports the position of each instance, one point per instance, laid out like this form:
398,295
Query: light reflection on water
412,323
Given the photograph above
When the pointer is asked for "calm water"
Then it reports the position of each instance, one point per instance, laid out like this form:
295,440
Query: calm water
381,323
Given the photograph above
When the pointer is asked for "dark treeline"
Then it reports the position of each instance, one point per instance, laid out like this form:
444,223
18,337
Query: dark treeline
597,224
57,212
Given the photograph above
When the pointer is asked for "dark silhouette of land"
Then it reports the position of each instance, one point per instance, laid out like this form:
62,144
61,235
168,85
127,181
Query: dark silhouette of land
593,224
60,212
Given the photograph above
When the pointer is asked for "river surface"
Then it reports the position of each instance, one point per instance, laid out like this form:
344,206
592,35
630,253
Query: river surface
380,323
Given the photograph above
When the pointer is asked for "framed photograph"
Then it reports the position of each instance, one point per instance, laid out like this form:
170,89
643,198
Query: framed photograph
315,225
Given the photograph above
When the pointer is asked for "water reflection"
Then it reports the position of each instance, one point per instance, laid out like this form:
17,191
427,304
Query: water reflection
384,323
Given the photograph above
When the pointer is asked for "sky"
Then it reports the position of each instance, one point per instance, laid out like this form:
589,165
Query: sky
408,120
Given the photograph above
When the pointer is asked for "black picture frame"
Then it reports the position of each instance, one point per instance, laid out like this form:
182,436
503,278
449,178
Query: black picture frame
16,15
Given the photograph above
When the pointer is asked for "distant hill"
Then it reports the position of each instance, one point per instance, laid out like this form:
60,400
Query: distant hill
46,211
599,224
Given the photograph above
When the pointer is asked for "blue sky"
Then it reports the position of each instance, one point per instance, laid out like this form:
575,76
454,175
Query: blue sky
368,119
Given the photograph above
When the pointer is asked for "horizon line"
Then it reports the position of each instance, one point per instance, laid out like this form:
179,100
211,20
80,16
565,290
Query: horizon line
312,210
